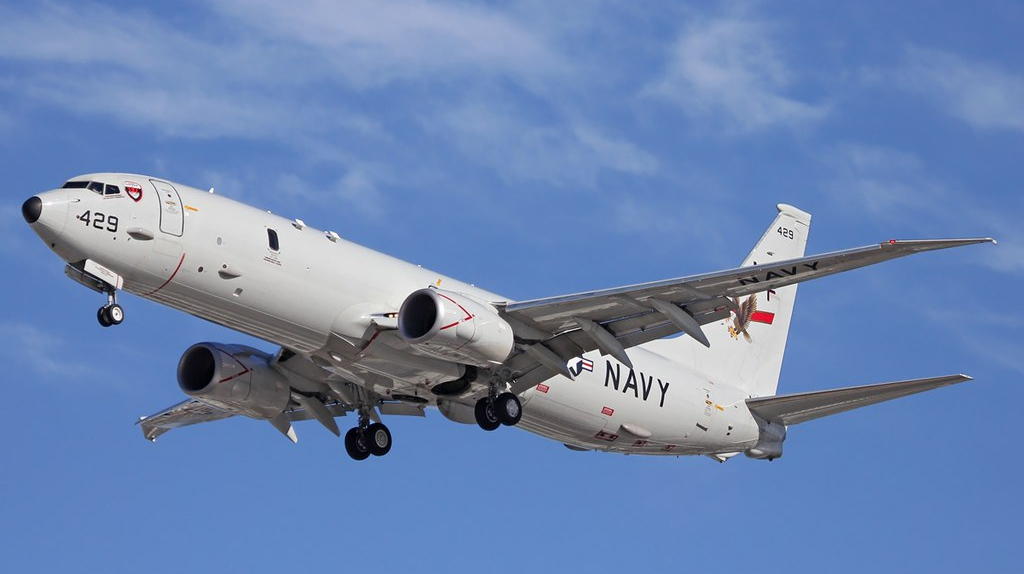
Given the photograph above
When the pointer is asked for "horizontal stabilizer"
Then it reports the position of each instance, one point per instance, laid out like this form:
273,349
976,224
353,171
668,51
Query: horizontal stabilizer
801,407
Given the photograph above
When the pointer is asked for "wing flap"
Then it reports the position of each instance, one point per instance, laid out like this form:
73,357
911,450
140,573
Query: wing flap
802,407
711,290
631,313
183,414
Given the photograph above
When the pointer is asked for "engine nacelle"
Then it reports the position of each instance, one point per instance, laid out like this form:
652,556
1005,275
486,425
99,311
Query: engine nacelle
454,327
235,378
769,444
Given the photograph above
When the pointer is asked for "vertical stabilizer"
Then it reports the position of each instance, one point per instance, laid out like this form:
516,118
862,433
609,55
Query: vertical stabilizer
747,348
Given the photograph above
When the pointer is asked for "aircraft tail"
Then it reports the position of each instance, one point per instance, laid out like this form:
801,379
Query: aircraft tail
747,348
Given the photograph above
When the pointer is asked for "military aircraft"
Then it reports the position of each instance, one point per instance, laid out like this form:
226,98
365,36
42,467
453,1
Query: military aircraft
364,333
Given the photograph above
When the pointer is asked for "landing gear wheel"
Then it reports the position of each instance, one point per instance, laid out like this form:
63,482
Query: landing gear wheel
115,314
101,316
508,409
378,439
355,444
485,414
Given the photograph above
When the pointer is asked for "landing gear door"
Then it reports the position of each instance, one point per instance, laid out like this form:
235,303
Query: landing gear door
172,218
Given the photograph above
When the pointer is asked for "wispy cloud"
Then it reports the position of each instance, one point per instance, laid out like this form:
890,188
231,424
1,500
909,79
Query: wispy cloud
882,180
216,83
149,74
357,188
375,43
986,333
523,150
895,185
40,352
730,70
311,77
979,93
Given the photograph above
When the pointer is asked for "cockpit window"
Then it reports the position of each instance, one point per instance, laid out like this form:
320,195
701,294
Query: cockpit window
75,185
111,190
96,186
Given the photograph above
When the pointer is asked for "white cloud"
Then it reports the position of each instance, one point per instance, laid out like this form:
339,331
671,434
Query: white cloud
978,93
257,70
894,186
988,334
730,70
39,351
521,150
357,189
883,180
308,78
1008,255
374,43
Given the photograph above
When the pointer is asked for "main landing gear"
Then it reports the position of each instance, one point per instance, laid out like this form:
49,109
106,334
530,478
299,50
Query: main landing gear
111,313
497,409
366,439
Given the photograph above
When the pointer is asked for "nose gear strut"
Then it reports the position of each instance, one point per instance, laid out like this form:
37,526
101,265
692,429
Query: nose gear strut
111,313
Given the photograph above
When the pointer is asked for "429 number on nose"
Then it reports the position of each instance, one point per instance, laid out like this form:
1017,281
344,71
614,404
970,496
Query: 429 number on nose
99,221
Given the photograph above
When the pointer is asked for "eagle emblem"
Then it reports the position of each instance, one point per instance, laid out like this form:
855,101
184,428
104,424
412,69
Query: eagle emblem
742,316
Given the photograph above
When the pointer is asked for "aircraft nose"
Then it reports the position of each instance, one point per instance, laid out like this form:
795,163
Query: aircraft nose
32,209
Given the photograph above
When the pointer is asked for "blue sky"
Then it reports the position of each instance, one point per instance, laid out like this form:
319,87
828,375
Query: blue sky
533,149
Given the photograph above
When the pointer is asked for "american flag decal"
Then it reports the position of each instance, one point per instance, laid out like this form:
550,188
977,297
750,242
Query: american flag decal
581,365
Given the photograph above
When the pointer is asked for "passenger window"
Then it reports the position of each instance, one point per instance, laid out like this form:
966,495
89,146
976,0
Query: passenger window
75,185
112,190
96,186
272,239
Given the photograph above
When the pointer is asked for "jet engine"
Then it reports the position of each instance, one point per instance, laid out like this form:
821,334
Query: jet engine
769,443
454,327
235,378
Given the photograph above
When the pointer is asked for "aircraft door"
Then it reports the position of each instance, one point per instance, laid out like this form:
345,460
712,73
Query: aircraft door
172,218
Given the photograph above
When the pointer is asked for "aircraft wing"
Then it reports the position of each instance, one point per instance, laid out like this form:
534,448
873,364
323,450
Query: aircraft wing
556,329
802,407
183,414
193,412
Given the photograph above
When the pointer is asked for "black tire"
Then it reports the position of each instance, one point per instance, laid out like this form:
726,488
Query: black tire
101,316
508,409
115,314
378,439
355,444
485,415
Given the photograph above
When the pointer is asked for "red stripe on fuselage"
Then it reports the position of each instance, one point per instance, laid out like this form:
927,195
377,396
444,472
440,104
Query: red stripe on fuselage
171,277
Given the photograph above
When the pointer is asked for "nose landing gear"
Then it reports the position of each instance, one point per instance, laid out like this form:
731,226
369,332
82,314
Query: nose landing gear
111,313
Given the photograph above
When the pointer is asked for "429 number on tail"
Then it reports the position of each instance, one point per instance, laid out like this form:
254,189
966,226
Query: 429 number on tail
786,232
99,221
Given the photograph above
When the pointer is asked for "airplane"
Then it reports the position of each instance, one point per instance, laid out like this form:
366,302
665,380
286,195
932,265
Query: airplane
685,366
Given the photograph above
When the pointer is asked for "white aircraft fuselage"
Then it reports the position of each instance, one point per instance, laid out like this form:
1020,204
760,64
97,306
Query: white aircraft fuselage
334,306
